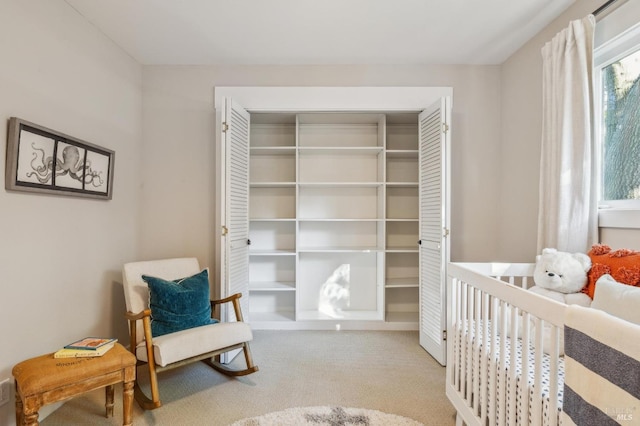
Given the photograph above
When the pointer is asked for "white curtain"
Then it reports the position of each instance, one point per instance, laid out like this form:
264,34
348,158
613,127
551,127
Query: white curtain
567,203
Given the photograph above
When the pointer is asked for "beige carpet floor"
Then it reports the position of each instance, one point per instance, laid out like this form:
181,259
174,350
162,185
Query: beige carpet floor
386,371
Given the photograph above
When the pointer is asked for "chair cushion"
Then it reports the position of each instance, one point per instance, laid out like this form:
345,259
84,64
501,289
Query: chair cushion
184,344
179,304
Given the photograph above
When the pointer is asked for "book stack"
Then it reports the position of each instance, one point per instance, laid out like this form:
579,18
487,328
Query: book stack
87,347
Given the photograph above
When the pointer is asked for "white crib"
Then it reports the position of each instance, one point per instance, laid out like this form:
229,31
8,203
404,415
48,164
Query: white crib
493,322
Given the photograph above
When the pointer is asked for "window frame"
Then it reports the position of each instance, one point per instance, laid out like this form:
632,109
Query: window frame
609,49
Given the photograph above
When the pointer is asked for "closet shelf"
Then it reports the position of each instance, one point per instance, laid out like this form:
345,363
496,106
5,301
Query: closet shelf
340,184
341,250
366,150
272,184
408,249
272,286
307,219
290,252
340,315
404,282
403,184
402,153
272,219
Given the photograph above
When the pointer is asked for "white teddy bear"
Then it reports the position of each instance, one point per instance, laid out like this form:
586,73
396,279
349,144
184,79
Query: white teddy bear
561,276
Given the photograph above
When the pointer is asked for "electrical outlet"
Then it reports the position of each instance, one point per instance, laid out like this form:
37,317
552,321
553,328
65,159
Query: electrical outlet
5,391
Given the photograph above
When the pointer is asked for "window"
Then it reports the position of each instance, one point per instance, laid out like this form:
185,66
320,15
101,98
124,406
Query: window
617,116
620,129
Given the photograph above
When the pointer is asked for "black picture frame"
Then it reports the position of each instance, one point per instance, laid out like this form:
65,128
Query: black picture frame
43,160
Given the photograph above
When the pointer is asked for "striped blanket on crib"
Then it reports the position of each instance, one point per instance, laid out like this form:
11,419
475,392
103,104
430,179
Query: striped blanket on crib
602,369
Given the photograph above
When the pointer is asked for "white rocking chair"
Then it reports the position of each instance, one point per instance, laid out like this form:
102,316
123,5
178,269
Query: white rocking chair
182,347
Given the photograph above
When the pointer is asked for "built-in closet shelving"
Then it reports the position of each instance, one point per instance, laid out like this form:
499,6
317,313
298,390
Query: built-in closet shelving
401,254
272,217
333,211
340,216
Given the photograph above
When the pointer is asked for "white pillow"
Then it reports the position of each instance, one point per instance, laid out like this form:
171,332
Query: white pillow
617,299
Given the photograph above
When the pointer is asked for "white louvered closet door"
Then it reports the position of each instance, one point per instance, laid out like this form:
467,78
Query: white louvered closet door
434,226
236,139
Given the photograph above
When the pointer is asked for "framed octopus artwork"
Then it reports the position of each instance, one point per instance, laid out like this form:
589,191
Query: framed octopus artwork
46,161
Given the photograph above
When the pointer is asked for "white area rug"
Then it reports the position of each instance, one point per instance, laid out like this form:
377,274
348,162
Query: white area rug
327,416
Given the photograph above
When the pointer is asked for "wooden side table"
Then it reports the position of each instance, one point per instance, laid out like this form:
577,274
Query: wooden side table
45,379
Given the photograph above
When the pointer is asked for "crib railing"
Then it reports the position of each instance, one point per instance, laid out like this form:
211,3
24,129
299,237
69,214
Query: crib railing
489,315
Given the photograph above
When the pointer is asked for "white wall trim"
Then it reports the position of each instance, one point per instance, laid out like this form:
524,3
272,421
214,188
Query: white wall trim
331,98
619,218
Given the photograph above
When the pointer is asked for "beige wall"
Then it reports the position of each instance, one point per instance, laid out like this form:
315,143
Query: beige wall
61,257
179,135
521,121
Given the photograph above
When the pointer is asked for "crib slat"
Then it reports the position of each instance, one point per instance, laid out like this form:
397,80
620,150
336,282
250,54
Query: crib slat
457,324
553,372
526,349
536,407
463,341
502,387
470,343
476,350
469,347
485,370
513,412
493,363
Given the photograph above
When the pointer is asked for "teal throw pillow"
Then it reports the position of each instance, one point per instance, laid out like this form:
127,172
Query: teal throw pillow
179,304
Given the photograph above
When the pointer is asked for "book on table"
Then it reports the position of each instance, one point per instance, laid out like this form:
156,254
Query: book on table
91,343
86,348
82,353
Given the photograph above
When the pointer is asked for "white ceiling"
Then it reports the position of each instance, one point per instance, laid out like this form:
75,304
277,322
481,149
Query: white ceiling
191,32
